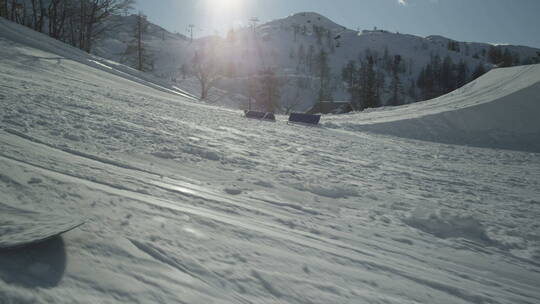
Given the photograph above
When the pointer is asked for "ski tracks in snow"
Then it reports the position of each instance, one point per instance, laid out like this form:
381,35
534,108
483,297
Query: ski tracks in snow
254,219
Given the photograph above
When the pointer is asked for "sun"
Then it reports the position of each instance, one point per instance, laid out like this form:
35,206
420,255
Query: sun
224,13
227,5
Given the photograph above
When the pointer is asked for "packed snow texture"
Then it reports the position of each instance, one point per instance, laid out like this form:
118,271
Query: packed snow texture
187,203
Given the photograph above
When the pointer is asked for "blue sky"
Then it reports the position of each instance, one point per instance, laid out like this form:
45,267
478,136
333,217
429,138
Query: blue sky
494,21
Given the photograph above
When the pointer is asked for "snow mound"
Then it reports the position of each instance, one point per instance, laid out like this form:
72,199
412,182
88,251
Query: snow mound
498,110
445,224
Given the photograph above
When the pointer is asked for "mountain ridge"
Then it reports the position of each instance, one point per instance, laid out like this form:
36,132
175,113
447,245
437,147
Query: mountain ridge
283,43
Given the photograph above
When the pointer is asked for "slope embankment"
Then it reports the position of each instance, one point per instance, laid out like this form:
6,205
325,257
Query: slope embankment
498,110
22,36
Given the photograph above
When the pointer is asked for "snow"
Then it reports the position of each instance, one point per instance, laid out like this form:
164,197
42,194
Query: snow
189,203
276,41
498,110
20,227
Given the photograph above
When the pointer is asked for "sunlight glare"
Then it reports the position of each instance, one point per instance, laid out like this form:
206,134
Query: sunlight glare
224,14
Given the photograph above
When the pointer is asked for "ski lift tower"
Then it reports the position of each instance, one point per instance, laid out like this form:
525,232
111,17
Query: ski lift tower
190,30
253,22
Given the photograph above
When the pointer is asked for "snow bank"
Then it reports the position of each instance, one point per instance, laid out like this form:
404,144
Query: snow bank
28,37
498,110
445,224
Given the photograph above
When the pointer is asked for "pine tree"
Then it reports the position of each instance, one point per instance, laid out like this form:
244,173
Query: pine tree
396,87
330,42
381,84
516,59
426,82
507,58
462,72
318,30
494,54
479,71
387,61
348,73
301,55
3,8
310,57
412,90
370,87
324,73
446,80
296,30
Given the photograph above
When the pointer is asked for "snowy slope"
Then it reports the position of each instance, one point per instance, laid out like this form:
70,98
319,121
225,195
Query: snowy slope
187,203
500,109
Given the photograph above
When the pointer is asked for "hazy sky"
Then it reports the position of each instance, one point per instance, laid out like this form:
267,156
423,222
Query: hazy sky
494,21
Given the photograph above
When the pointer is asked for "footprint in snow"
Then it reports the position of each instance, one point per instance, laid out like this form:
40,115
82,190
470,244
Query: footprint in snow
233,191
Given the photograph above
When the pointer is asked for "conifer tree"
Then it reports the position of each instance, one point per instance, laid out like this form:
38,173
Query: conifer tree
446,79
324,73
370,85
3,8
301,54
507,59
310,57
348,73
412,90
462,72
396,86
479,71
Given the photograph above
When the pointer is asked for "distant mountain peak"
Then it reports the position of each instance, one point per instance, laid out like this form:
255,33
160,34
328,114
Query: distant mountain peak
308,19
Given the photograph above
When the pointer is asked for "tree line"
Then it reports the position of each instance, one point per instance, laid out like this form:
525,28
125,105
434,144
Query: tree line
366,79
76,22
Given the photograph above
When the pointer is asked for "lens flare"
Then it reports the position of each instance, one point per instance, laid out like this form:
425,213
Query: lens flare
221,15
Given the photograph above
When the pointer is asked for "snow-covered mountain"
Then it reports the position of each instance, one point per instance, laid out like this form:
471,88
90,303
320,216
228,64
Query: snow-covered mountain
190,203
287,44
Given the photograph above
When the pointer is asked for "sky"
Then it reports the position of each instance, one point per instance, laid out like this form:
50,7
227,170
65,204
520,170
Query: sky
492,21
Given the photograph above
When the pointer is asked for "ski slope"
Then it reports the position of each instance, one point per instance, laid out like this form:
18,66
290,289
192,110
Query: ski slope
498,110
187,203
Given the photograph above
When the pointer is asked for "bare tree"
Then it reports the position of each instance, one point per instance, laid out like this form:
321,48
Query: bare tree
58,13
292,96
250,87
136,53
92,18
292,103
269,90
16,11
38,14
205,68
141,28
4,8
